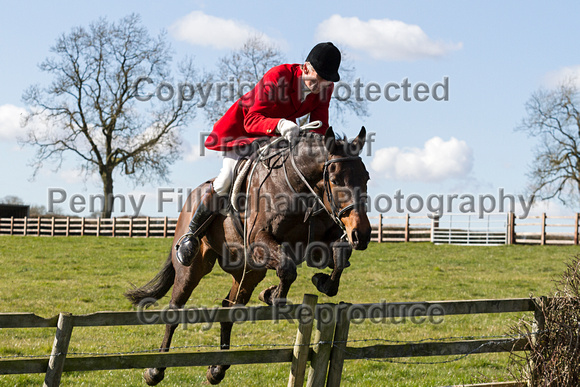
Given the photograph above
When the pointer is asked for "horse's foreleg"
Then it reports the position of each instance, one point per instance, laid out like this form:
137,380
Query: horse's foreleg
328,284
240,293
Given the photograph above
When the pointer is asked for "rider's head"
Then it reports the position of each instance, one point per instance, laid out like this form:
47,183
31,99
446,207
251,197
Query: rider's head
321,67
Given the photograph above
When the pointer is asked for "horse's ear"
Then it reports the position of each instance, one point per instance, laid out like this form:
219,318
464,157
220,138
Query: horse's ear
358,143
330,140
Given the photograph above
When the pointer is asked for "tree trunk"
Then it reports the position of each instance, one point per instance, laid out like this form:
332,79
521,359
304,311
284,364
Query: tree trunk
107,178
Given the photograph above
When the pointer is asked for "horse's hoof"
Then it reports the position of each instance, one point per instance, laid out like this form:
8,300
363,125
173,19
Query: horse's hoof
266,295
324,284
214,376
153,376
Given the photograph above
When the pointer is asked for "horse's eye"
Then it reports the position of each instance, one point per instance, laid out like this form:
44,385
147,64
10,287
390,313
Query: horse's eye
334,182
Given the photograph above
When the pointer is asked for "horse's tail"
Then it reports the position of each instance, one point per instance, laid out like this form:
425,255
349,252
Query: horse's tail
154,289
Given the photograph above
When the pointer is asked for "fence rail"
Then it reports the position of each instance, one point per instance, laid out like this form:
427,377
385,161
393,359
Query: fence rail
541,229
326,352
67,226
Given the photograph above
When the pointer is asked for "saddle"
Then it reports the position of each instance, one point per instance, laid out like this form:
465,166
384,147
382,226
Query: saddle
245,164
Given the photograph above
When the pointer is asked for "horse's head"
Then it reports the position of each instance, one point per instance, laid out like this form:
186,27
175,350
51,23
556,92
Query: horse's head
345,184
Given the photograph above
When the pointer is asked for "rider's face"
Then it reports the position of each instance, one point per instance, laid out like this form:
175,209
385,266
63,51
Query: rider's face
314,82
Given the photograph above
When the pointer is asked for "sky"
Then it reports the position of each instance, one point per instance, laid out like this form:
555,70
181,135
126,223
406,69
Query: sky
487,57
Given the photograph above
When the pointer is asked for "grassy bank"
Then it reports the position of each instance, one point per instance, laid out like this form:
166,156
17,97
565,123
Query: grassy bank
88,274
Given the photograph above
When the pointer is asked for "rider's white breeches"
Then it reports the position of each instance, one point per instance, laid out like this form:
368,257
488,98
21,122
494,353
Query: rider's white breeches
223,181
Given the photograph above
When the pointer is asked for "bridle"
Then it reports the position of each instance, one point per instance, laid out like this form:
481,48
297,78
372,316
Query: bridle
328,189
336,213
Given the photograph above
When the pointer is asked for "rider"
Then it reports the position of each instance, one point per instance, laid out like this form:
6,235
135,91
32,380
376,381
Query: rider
285,93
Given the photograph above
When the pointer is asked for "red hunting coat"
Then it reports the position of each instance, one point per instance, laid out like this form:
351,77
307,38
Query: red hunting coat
256,114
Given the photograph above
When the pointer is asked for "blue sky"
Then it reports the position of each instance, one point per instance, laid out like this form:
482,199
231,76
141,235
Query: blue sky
494,54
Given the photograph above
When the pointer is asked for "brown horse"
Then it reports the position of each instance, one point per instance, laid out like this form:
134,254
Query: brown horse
310,192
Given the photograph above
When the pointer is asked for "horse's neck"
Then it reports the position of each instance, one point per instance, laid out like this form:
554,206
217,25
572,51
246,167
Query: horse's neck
310,160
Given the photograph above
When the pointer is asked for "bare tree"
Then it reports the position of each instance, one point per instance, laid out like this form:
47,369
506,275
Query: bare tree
239,71
553,117
90,110
35,210
11,199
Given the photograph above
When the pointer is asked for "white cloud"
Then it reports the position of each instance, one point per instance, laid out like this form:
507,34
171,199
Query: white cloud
73,176
10,119
550,207
565,74
206,30
194,153
436,161
384,39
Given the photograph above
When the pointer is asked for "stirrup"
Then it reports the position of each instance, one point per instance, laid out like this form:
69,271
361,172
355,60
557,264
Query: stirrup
187,234
186,252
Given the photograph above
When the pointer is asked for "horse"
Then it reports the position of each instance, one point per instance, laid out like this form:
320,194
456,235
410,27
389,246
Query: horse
326,182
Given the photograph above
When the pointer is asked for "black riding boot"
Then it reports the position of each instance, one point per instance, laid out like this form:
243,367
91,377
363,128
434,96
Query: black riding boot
189,243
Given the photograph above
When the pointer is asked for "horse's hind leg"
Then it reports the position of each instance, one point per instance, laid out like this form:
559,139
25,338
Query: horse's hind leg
186,279
216,373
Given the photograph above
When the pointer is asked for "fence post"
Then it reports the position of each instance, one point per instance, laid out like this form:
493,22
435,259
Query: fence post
338,347
130,227
25,225
407,227
52,226
147,227
322,346
380,228
434,226
38,226
538,326
543,236
67,226
165,227
59,349
98,226
11,225
576,219
511,228
302,344
82,226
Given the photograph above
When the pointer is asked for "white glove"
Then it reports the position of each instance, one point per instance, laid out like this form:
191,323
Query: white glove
287,129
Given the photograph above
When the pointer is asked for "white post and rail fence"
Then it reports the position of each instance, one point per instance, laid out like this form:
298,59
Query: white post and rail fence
492,229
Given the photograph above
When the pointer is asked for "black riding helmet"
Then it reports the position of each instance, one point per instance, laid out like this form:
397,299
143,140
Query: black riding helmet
325,58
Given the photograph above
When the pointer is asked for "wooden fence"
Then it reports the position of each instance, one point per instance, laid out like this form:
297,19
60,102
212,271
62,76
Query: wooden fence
68,226
541,229
319,360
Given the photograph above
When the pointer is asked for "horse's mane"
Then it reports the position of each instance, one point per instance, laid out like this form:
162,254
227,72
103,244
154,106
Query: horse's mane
340,149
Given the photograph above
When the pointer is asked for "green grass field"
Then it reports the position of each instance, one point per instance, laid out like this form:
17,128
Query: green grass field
88,274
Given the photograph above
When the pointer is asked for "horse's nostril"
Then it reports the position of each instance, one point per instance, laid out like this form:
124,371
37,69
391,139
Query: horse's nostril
354,236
